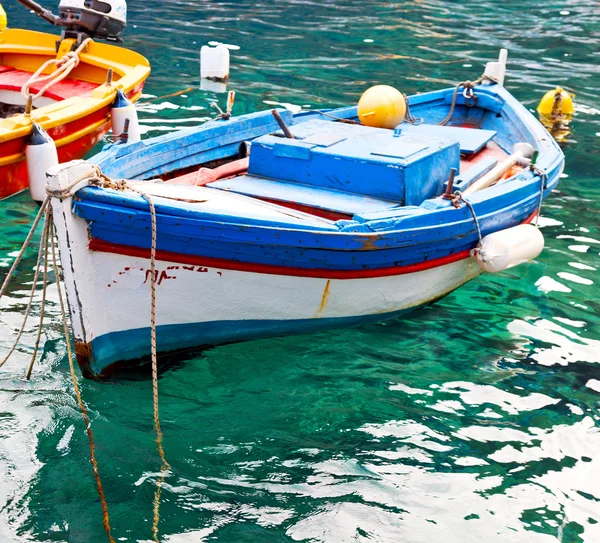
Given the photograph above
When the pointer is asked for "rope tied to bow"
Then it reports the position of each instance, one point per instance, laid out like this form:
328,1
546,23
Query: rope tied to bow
468,93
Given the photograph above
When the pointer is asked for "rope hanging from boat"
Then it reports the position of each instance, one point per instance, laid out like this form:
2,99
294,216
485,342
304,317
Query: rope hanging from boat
46,240
63,67
468,93
543,186
82,408
458,197
165,467
408,117
97,178
31,296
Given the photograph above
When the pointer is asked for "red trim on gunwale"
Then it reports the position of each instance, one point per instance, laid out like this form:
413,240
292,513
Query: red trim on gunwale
102,246
166,256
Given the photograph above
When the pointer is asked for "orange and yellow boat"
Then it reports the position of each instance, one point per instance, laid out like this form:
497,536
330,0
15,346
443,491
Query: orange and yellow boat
75,111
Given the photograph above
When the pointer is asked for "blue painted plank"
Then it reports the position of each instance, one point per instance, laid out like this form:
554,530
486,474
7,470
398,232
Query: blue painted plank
320,198
470,140
173,151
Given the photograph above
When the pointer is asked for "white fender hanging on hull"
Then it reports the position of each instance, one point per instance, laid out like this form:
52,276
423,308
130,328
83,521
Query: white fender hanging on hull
41,154
507,248
123,110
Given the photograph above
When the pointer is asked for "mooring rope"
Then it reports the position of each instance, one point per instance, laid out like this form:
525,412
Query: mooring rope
31,296
408,116
44,291
97,178
82,408
468,87
165,467
64,66
459,197
47,239
26,243
543,186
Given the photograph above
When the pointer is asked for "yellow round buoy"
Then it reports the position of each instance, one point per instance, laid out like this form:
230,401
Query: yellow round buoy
556,103
382,106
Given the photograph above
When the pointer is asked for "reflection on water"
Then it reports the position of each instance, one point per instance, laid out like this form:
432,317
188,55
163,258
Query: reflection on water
473,420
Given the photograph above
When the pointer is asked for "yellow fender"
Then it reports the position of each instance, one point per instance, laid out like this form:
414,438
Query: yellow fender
3,18
557,103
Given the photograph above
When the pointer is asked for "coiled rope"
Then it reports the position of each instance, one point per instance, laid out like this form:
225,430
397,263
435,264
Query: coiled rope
63,67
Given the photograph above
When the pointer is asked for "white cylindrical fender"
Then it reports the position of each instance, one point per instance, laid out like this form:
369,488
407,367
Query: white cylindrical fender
507,248
122,110
40,154
214,62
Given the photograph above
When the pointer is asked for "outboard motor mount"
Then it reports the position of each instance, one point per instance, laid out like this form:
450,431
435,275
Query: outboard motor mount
104,19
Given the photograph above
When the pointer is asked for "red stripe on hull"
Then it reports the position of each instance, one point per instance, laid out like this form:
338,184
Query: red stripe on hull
102,246
166,256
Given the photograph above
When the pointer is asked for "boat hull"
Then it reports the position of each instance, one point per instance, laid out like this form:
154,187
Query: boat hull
233,264
201,302
229,305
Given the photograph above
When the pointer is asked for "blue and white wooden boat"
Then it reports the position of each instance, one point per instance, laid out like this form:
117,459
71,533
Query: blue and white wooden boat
341,226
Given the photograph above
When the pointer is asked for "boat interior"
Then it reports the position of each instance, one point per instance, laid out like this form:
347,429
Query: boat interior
23,52
333,168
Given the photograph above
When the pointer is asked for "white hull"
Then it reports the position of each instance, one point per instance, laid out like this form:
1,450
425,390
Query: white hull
109,298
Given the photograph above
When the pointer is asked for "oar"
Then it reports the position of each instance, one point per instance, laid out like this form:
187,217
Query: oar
521,155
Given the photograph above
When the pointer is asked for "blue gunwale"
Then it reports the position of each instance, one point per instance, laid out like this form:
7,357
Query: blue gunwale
401,236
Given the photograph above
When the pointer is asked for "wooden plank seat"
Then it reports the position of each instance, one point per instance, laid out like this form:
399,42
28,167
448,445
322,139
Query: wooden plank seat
12,79
303,197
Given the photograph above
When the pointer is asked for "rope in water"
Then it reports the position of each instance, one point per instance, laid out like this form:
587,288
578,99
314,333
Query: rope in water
26,243
47,239
82,408
97,178
165,467
63,67
31,295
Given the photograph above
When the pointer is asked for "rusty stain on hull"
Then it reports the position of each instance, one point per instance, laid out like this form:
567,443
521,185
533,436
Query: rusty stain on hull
324,298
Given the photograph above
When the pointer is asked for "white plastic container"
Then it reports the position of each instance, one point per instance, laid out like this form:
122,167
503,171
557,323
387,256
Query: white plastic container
214,62
122,110
503,250
41,154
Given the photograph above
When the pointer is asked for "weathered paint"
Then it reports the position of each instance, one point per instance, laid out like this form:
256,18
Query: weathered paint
258,269
246,303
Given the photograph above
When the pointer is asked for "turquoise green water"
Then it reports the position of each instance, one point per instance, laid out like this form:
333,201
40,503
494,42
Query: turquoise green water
475,420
